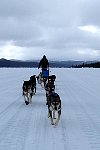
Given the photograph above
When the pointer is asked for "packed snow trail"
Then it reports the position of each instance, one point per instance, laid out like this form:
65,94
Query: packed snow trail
28,127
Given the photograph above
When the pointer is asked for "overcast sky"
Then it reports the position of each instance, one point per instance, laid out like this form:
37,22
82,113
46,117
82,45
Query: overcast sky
60,29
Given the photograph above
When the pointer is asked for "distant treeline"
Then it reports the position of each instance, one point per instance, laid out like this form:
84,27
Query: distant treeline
90,65
33,64
53,64
17,64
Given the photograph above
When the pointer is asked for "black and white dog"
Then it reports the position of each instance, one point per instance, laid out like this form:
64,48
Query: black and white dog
33,83
50,87
40,79
52,78
27,92
54,108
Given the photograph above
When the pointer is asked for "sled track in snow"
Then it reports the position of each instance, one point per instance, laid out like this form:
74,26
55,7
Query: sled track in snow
28,127
16,102
88,123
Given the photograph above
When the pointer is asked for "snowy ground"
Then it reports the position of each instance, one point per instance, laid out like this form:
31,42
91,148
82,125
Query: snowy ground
28,127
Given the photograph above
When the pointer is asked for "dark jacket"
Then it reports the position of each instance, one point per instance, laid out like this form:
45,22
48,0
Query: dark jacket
44,64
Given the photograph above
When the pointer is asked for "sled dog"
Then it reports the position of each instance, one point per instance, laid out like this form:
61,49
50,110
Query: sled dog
33,83
54,108
40,79
27,92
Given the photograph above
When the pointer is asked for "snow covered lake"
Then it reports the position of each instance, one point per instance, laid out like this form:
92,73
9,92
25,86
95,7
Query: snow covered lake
28,127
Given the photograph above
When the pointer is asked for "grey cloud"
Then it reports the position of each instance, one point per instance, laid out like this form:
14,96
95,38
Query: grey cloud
12,29
89,12
49,26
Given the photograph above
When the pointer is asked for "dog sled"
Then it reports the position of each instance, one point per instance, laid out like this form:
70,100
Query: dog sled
45,75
